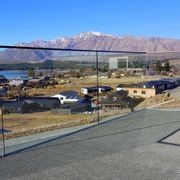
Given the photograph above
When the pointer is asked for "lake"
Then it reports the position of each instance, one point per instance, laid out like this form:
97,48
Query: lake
14,74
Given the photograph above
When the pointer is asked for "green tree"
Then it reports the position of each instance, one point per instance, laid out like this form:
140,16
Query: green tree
31,73
158,66
167,66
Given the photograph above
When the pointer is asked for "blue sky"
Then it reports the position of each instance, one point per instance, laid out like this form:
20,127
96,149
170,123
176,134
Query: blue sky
28,20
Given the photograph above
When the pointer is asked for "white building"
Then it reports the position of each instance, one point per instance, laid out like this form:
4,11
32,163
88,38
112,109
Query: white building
68,97
95,89
114,61
16,82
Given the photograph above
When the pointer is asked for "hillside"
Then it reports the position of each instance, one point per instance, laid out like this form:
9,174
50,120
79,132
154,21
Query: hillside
89,40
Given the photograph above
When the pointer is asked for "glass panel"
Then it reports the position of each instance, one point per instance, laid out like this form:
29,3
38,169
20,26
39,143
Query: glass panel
2,132
47,94
120,74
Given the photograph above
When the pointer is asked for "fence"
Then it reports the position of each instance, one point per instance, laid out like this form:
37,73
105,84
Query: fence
49,92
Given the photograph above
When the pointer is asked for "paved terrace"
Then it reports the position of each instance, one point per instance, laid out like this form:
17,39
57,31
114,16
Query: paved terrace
125,148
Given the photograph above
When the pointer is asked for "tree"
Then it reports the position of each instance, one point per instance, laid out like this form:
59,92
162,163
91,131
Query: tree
167,66
104,69
31,73
78,75
158,66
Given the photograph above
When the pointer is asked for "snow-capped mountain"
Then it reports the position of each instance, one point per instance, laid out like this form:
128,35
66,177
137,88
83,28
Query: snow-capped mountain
92,41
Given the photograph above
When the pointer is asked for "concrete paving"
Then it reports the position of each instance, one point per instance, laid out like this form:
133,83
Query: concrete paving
125,148
20,143
173,138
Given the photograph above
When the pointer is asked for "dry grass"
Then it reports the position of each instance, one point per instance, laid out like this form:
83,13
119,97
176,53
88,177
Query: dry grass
77,84
173,104
159,98
25,124
17,122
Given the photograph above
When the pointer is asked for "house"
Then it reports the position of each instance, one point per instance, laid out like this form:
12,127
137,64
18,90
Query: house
137,90
24,106
3,91
30,104
45,103
17,82
95,89
136,71
68,97
72,102
160,85
148,89
78,107
37,82
3,79
117,100
105,89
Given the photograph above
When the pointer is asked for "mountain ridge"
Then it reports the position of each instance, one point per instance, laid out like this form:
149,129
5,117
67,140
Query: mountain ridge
91,41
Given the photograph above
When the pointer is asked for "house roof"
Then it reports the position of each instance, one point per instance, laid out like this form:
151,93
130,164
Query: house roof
47,101
159,82
70,94
118,98
38,98
134,85
148,84
17,103
72,106
102,87
28,101
106,87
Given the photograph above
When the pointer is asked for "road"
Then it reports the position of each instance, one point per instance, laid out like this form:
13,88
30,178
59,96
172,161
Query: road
125,148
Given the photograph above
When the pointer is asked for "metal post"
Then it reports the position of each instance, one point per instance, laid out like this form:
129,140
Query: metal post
147,64
97,81
2,131
127,63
